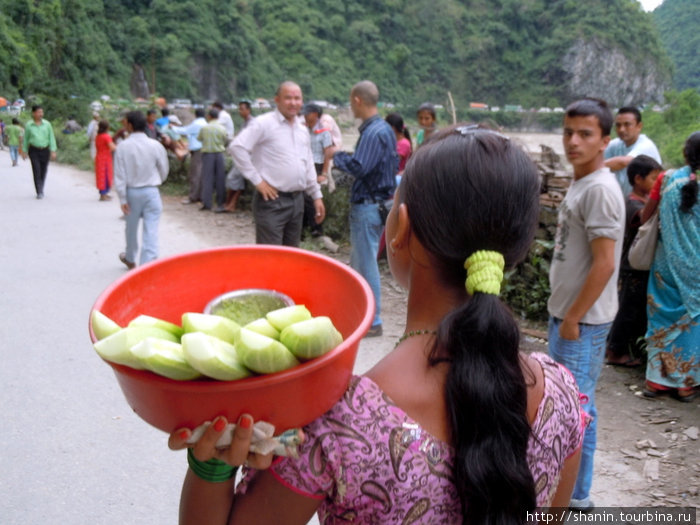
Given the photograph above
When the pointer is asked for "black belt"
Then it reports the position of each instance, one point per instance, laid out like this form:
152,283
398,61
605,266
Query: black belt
37,147
372,201
288,193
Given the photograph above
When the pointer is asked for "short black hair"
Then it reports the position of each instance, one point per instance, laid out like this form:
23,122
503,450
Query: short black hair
35,107
213,113
596,107
312,108
165,112
199,112
641,165
245,102
218,104
137,120
150,112
631,109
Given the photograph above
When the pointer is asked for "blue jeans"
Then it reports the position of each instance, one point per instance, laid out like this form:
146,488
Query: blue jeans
14,154
144,203
365,230
584,358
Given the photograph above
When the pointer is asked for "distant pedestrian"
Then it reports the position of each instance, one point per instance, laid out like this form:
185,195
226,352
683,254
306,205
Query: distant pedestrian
235,181
140,167
274,154
40,145
225,120
194,175
322,150
213,139
151,128
15,135
427,120
91,132
404,148
245,112
122,133
104,169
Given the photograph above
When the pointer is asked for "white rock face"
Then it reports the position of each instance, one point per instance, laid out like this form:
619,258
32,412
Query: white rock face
599,70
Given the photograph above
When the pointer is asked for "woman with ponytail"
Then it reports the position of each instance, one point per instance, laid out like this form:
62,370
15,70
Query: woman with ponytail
455,425
673,295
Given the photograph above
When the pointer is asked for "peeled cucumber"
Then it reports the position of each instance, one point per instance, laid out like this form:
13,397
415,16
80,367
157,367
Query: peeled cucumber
117,347
283,317
164,358
214,325
213,357
311,338
147,320
263,354
102,326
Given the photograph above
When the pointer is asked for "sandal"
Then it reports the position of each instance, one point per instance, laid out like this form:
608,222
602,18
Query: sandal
654,390
685,395
632,362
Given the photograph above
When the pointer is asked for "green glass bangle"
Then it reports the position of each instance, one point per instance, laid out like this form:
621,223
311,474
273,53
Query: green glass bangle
214,470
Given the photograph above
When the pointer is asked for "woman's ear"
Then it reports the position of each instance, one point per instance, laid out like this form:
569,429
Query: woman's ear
403,229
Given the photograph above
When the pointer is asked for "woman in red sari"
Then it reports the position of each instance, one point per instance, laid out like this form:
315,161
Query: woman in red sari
103,160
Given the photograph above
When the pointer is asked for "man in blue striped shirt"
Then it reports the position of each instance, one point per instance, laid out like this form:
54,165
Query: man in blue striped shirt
374,165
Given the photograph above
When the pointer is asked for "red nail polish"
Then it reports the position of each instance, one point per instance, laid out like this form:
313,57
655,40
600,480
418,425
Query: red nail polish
245,421
184,434
220,424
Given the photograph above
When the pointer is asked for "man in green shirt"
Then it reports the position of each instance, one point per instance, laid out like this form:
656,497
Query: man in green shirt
40,145
213,139
14,136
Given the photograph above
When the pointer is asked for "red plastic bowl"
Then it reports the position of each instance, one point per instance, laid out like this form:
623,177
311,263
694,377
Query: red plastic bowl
186,283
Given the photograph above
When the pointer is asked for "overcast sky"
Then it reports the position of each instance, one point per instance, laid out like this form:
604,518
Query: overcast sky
650,5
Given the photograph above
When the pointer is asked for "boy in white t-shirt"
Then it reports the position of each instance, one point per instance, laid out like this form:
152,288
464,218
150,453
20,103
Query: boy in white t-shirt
585,266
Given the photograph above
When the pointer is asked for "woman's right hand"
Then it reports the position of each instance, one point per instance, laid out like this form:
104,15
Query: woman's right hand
237,454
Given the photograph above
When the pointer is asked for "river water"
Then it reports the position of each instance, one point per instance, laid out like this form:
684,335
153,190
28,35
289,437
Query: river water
530,141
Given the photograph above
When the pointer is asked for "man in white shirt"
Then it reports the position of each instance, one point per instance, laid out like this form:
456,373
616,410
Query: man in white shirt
630,143
140,167
224,119
273,152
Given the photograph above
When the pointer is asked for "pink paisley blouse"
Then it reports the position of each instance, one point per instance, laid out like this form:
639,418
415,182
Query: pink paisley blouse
368,462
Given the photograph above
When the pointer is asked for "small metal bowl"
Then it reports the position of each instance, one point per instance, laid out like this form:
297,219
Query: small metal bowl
232,304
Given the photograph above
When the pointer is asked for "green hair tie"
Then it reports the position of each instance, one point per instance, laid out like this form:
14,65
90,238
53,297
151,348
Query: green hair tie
484,272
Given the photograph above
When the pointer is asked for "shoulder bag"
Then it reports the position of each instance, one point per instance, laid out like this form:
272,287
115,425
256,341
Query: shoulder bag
643,247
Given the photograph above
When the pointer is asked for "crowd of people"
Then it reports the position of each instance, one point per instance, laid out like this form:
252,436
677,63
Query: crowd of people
453,215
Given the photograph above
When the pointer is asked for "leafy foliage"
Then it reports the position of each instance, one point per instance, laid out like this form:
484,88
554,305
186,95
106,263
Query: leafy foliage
671,128
677,22
494,51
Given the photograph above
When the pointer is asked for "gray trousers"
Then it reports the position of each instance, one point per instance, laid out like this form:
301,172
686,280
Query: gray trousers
279,221
195,176
213,179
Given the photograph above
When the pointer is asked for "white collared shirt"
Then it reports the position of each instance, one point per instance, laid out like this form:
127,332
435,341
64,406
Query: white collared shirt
139,161
272,149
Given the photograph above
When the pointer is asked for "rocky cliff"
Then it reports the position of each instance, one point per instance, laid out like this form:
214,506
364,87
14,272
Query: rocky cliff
593,68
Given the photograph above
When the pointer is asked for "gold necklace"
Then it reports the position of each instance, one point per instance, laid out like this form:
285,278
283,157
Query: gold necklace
412,333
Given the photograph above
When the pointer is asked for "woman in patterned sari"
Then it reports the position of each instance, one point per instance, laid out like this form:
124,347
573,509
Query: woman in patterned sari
673,297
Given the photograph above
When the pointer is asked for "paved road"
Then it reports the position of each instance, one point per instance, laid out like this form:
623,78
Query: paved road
71,450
